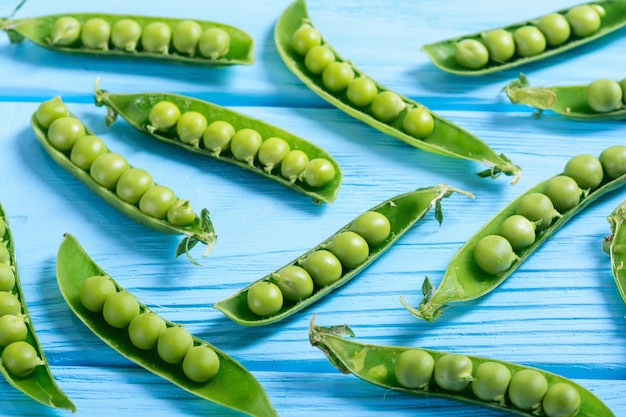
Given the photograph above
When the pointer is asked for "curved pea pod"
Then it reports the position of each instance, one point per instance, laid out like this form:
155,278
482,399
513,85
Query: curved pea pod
463,279
135,109
200,230
446,138
569,101
233,387
442,53
615,246
402,211
38,30
376,365
40,384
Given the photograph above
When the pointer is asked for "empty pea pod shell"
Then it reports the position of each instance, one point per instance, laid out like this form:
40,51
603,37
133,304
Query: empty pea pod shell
446,139
233,386
402,211
375,364
200,230
135,108
40,384
569,101
463,280
442,53
615,246
37,30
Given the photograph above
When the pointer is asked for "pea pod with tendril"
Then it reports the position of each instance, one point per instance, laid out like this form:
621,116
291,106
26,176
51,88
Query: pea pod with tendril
615,246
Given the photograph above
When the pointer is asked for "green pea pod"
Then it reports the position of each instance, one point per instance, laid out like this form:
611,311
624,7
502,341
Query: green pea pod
40,384
442,53
38,30
233,386
615,246
376,364
135,109
402,211
569,101
200,230
463,280
446,138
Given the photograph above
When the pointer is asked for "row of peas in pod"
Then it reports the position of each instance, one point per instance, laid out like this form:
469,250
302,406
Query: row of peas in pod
147,330
552,30
246,144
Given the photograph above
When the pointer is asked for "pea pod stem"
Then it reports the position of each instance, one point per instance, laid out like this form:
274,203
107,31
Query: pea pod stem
446,139
615,245
39,385
375,364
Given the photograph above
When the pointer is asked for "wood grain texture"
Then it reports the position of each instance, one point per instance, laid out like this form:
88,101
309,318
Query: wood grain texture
560,311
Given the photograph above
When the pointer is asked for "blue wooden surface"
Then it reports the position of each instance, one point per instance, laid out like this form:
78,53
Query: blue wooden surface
560,311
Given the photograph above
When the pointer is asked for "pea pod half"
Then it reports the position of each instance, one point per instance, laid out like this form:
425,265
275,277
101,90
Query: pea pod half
615,246
442,137
39,384
133,41
611,17
465,279
136,108
569,101
381,366
401,212
233,386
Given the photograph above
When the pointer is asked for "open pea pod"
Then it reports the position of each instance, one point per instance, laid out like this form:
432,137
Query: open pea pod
38,30
135,109
376,365
615,246
442,53
233,386
569,101
445,139
38,385
402,211
200,230
464,280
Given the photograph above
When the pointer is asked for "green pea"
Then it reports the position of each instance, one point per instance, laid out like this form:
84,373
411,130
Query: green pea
214,43
107,168
185,36
387,106
20,359
537,208
157,200
144,330
5,256
564,192
500,44
156,37
471,53
414,369
350,248
373,226
133,184
584,20
245,144
305,38
319,172
12,329
217,136
294,283
519,231
362,91
586,170
173,344
604,95
95,33
49,111
527,389
613,161
561,400
9,304
201,364
453,372
418,122
264,298
494,254
7,277
86,150
125,34
181,213
190,127
555,28
65,31
293,164
529,41
337,76
323,266
491,381
64,132
272,151
119,309
94,291
164,115
318,58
